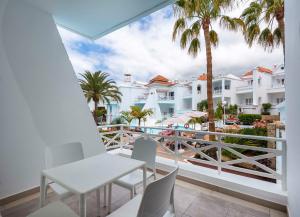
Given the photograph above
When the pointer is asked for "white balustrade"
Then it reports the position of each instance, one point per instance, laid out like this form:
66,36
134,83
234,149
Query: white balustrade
176,145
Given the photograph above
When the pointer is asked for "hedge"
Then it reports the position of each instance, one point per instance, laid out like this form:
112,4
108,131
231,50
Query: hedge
248,119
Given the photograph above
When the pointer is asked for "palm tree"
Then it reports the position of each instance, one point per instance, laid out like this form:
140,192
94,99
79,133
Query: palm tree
126,115
98,87
140,114
267,11
194,16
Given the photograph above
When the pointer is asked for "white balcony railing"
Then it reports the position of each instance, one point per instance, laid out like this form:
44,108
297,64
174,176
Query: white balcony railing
244,88
217,92
165,98
210,153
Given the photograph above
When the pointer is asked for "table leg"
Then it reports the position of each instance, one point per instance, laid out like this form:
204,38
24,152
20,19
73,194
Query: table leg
144,177
42,190
109,197
98,201
82,205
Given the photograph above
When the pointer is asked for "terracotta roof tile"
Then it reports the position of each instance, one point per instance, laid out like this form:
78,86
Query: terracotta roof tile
263,69
159,79
248,73
202,77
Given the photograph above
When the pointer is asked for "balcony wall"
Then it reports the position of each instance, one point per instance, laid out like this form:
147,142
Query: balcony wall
293,102
38,94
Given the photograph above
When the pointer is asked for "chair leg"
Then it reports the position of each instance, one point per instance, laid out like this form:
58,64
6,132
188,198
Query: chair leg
46,192
98,201
104,197
131,193
109,197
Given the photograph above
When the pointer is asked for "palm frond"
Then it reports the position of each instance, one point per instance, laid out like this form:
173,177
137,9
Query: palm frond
277,36
252,33
194,47
266,39
186,36
179,26
214,39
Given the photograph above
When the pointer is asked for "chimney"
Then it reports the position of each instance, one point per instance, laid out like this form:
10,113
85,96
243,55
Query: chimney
127,78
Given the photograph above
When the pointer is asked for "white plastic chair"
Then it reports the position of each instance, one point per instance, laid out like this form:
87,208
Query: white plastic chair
157,201
55,209
58,155
144,149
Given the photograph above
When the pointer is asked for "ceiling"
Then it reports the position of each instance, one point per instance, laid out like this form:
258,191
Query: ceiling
95,18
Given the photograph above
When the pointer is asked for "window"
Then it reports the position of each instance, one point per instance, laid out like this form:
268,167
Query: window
259,81
171,111
282,81
171,95
227,85
198,89
279,100
249,101
250,82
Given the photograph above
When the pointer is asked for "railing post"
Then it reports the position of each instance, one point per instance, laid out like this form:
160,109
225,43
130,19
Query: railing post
219,155
284,166
121,136
176,146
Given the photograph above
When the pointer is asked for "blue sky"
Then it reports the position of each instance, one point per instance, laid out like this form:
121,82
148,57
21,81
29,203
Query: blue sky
145,48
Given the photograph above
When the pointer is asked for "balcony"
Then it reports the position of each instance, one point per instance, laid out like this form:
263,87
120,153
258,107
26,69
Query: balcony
190,201
166,99
217,92
247,174
141,99
276,89
244,89
206,186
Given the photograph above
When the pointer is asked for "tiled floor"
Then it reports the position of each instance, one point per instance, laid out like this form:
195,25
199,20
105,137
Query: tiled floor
190,201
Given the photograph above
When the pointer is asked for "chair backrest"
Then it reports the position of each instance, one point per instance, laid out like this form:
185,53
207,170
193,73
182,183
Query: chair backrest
57,155
158,197
144,149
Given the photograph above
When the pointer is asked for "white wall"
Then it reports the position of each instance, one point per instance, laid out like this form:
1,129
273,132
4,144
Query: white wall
41,101
293,103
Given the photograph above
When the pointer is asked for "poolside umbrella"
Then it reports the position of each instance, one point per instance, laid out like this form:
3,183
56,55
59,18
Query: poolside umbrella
177,120
195,114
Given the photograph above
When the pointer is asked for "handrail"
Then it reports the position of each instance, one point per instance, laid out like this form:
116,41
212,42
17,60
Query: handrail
123,137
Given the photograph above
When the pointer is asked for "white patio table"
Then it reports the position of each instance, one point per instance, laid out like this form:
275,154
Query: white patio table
89,174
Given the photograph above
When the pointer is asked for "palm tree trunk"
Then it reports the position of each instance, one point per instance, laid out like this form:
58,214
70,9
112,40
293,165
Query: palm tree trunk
139,122
209,78
94,113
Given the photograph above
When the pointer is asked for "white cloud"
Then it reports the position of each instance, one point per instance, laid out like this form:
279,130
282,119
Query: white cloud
145,49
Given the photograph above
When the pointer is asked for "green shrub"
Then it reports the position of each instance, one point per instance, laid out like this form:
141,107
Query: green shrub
201,106
248,119
252,142
219,111
232,109
266,108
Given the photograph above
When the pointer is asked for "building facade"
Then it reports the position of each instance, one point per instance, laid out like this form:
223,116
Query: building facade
169,98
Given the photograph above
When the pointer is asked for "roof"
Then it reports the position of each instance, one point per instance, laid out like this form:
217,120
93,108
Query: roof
263,69
159,79
202,77
259,69
249,73
95,18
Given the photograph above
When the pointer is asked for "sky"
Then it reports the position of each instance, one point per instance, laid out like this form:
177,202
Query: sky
145,49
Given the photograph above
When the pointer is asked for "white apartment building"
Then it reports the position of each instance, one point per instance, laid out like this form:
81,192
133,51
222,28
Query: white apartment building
167,98
224,87
261,85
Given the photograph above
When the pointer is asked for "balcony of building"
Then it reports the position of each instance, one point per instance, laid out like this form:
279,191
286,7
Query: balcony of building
208,162
244,89
43,105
